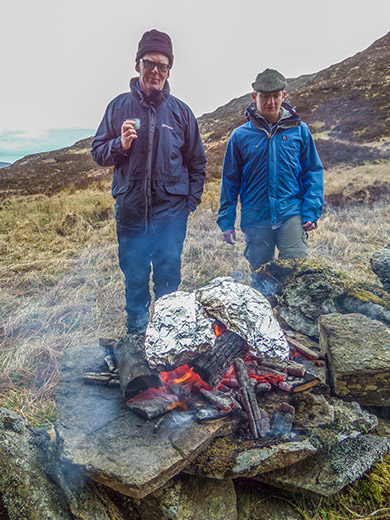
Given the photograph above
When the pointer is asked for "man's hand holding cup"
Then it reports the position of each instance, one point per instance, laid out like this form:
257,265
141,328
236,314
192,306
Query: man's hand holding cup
129,132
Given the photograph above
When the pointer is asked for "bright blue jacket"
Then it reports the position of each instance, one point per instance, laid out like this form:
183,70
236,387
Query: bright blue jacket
276,172
164,169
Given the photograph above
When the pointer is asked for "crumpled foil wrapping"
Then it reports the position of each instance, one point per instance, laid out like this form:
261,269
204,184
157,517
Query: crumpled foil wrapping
182,325
179,331
247,312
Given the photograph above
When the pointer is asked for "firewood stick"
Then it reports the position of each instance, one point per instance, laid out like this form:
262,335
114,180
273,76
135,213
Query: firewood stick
256,417
302,349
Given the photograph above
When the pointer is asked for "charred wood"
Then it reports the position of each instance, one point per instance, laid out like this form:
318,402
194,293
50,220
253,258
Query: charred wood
212,365
152,404
110,362
220,400
302,349
107,343
99,378
134,372
262,387
299,385
258,418
210,414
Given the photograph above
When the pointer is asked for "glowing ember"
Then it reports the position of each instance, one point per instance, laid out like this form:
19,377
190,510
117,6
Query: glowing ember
179,404
219,328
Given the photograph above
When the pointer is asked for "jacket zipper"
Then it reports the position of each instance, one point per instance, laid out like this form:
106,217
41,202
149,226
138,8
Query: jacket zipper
148,176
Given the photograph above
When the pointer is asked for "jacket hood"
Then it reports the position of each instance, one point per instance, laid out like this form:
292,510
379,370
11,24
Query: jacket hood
289,115
156,97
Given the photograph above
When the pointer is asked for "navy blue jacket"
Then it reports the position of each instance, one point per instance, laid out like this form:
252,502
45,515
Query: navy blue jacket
164,169
276,172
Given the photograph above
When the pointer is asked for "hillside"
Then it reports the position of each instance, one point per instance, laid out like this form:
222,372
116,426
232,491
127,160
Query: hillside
345,106
50,172
4,164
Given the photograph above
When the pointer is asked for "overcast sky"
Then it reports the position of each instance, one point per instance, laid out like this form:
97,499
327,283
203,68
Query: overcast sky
62,62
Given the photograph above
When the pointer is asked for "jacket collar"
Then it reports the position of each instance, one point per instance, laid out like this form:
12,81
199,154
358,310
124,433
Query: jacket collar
288,116
157,96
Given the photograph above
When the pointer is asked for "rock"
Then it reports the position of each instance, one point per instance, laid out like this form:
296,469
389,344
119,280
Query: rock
100,437
358,351
191,498
26,487
261,460
255,501
327,473
310,290
380,264
228,458
35,486
311,411
350,417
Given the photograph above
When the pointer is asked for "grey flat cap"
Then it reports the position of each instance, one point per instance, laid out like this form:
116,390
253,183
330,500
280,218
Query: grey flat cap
269,80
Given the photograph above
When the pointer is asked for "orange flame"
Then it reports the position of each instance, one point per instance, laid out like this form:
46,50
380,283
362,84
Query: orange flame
184,375
179,404
219,328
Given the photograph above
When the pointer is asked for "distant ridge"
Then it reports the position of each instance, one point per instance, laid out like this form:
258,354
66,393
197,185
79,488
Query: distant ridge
4,164
50,172
345,105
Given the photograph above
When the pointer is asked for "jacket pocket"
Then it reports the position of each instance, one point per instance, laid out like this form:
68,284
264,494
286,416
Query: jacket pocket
178,188
130,206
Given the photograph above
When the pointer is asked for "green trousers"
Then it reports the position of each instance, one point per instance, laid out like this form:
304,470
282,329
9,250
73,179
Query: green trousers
290,239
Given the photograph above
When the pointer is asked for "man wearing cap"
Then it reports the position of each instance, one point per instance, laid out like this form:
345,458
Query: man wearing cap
152,140
272,164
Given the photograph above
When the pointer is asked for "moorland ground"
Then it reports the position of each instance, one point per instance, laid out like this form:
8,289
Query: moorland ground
61,286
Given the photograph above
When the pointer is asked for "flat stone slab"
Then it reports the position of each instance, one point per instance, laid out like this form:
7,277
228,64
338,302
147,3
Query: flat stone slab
103,438
358,351
324,474
258,461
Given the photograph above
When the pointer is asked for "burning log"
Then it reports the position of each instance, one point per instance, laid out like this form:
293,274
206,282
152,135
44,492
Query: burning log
213,364
153,402
258,418
134,373
290,367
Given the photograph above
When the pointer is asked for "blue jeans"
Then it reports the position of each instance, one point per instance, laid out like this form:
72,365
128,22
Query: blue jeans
161,247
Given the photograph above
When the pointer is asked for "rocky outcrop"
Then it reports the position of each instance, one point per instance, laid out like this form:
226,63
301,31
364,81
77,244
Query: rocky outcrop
380,264
307,290
34,487
358,351
330,471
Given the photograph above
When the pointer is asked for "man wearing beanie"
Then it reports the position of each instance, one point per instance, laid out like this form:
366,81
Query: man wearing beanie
152,140
272,164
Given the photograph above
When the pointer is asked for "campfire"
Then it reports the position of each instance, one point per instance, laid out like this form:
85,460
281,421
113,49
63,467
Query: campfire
209,355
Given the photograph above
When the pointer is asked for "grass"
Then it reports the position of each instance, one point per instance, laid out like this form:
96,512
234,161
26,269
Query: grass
60,285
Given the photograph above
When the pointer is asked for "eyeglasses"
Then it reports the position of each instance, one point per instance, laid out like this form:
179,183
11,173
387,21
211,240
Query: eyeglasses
149,64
